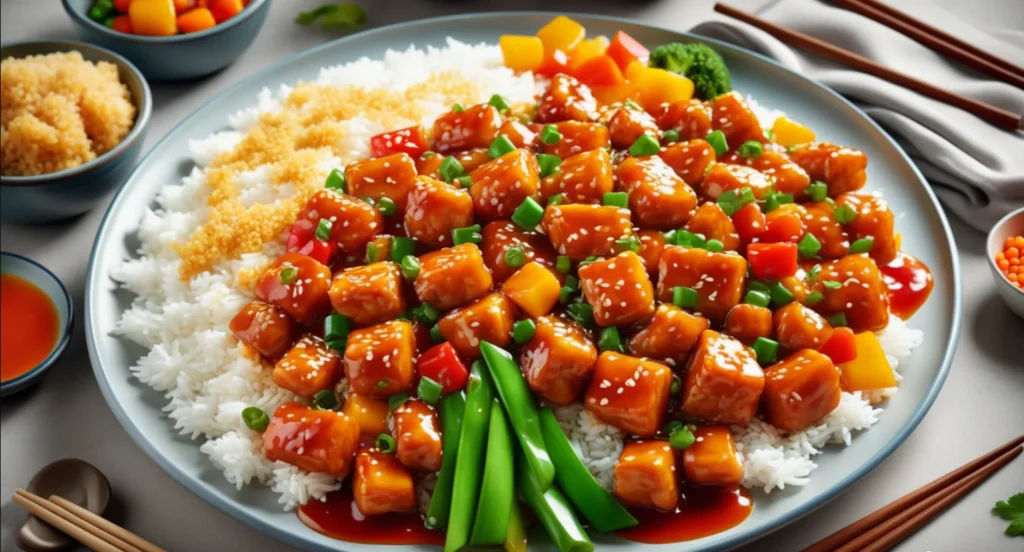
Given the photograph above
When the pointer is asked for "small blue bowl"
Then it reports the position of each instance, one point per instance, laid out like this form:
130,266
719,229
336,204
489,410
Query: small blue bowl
62,194
27,269
177,57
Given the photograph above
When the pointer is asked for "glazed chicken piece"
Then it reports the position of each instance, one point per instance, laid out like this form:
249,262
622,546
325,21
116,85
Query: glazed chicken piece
784,224
414,427
434,209
353,222
723,380
690,160
712,458
391,177
718,278
722,177
581,231
576,138
499,186
669,336
265,328
874,220
861,292
566,100
748,322
519,134
711,222
731,114
842,168
652,245
498,236
369,294
320,441
489,319
581,178
800,390
298,285
788,176
370,414
819,219
381,484
645,476
468,159
658,198
452,277
308,368
629,393
558,360
476,127
691,118
618,289
798,327
379,359
627,124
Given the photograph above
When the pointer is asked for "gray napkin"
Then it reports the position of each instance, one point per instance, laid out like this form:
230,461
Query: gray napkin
976,169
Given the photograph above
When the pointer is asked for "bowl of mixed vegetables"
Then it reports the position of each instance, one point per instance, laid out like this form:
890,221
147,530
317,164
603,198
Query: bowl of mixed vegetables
171,39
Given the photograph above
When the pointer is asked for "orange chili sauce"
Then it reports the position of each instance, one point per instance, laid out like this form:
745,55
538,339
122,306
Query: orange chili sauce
909,282
337,517
702,511
28,326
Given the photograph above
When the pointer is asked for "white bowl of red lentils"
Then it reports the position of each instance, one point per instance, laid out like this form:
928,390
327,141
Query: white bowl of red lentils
1005,249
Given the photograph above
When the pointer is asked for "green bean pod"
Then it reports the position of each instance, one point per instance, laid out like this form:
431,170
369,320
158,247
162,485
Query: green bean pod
521,409
497,492
596,504
469,461
515,536
452,408
553,511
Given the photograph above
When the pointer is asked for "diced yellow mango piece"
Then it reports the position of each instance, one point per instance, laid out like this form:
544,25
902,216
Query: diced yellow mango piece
587,50
369,413
562,34
870,370
521,53
788,132
658,86
615,93
534,288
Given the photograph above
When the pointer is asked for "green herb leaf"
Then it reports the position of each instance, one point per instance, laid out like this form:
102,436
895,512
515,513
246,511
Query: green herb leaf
334,16
1012,510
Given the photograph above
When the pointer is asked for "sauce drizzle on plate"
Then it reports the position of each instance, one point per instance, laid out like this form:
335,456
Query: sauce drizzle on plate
702,511
29,326
337,517
909,282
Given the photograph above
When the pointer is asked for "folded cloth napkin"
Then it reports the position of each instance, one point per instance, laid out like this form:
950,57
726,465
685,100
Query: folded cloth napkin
975,168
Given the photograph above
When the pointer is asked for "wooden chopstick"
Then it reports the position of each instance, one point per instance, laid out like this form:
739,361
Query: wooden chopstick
894,14
106,525
985,465
42,509
998,116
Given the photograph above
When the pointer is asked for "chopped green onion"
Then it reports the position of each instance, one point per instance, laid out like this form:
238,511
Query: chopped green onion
382,384
336,327
808,246
548,164
771,203
528,214
683,296
336,180
731,201
523,330
832,284
563,264
718,143
572,282
610,340
644,145
426,313
369,201
862,245
255,418
499,102
817,191
436,335
779,294
397,400
450,169
672,425
812,274
429,390
386,206
581,313
758,298
385,443
677,385
410,267
751,148
465,181
550,135
838,319
402,248
758,285
686,238
616,199
323,229
457,108
630,104
670,136
714,246
404,315
371,252
556,199
844,214
629,243
590,259
813,298
427,154
565,294
766,350
467,234
515,256
325,400
500,146
681,438
288,275
767,134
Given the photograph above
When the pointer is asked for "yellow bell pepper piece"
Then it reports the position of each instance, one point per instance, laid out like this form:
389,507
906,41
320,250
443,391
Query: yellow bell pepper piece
870,370
658,86
788,132
587,50
521,53
153,17
562,34
534,288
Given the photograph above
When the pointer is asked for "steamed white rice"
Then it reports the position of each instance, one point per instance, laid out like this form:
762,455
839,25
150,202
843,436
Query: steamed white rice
208,378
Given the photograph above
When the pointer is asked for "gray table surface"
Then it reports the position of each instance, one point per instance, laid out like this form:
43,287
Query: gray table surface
980,406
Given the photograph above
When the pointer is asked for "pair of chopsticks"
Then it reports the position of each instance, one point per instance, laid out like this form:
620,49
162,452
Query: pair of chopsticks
926,34
82,525
897,520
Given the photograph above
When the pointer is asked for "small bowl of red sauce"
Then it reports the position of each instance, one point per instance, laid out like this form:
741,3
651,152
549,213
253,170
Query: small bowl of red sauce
1005,250
36,318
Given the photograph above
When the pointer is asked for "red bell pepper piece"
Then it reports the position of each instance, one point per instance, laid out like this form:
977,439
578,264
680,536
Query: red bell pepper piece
557,62
599,71
441,363
749,222
407,140
624,49
772,260
299,234
320,250
841,347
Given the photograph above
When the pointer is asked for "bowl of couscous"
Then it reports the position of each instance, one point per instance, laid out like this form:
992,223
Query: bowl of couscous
73,119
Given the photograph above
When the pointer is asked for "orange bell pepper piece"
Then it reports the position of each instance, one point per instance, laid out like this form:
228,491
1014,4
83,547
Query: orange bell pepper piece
561,33
599,71
587,50
521,53
196,20
153,17
624,49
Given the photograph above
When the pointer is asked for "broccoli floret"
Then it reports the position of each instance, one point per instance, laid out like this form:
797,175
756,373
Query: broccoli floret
699,63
